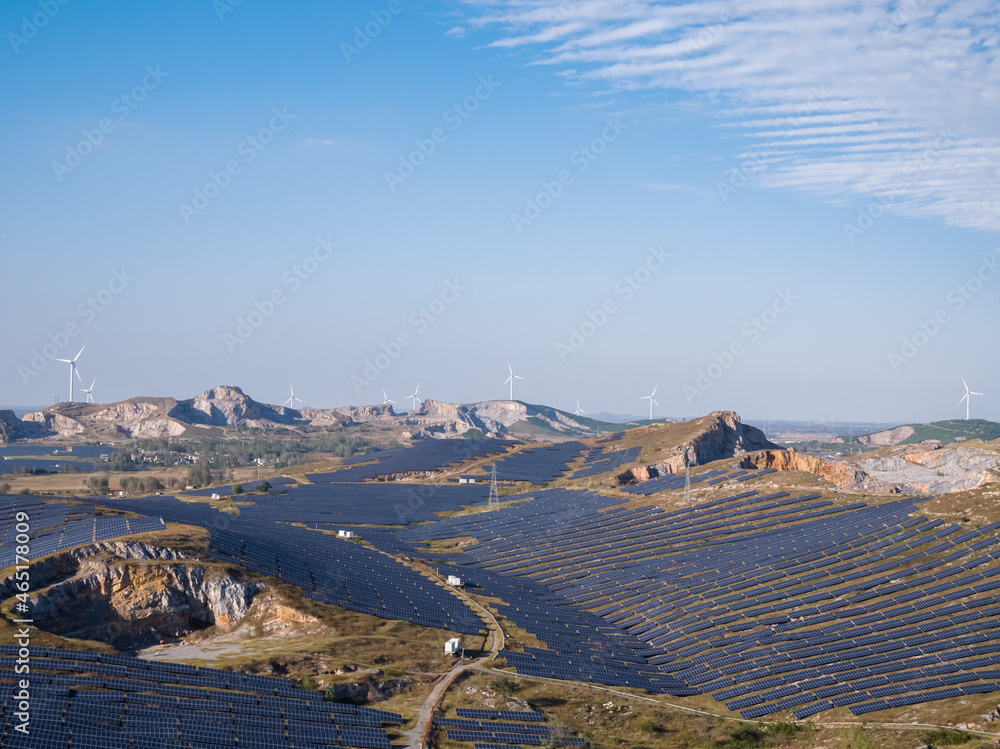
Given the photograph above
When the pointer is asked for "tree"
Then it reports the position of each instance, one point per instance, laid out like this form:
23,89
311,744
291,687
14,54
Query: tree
263,486
99,484
200,474
5,487
237,489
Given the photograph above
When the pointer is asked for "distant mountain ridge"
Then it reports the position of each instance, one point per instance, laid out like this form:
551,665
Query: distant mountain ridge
945,432
228,406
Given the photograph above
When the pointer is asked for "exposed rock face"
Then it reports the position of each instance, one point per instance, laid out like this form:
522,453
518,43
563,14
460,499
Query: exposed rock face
888,437
53,422
364,692
12,428
230,406
935,471
723,436
842,475
133,605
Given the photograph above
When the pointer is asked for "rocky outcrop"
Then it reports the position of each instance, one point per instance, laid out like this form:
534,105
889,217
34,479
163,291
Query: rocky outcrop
842,475
722,435
12,428
53,422
230,406
887,437
939,471
366,692
105,592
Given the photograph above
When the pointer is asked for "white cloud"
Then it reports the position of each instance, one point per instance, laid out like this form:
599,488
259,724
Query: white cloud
843,98
324,142
456,32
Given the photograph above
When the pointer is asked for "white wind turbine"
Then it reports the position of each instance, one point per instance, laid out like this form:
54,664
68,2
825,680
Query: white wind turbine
510,380
88,391
72,371
291,400
651,400
415,399
579,411
967,398
386,400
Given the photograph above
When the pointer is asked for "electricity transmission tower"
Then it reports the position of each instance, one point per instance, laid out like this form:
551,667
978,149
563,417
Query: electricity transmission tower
494,501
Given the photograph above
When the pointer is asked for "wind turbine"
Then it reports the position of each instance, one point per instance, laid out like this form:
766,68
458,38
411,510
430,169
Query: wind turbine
414,398
651,400
968,398
291,401
88,391
511,379
386,400
579,411
72,370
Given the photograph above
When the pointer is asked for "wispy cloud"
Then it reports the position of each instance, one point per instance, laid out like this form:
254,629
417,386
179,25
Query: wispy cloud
911,91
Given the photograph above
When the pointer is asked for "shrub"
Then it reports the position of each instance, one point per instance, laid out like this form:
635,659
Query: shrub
505,687
237,489
394,673
309,682
745,737
944,737
647,726
263,486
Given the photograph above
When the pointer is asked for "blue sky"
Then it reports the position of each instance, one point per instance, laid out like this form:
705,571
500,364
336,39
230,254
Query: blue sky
823,177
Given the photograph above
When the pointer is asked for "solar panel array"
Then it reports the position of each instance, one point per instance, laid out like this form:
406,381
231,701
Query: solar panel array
380,503
770,603
538,465
327,568
101,701
426,455
77,451
59,526
489,728
11,465
601,460
278,484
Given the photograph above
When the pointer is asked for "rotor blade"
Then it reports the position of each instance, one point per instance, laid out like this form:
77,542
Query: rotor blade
654,402
654,389
964,398
78,375
63,360
80,352
506,382
971,392
518,377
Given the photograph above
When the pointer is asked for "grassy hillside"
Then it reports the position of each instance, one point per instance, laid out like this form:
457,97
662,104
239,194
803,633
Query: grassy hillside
955,430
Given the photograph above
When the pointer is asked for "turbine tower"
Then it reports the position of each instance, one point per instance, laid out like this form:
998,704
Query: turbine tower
579,411
651,400
72,371
88,391
386,400
967,398
414,398
291,400
510,380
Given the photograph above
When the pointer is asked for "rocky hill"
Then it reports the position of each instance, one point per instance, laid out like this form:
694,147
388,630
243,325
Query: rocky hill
229,407
945,432
670,448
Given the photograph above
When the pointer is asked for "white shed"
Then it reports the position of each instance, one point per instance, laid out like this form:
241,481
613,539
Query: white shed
453,646
454,580
345,534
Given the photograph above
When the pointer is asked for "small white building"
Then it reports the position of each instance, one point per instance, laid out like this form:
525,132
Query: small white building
466,480
454,580
216,496
453,646
345,534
